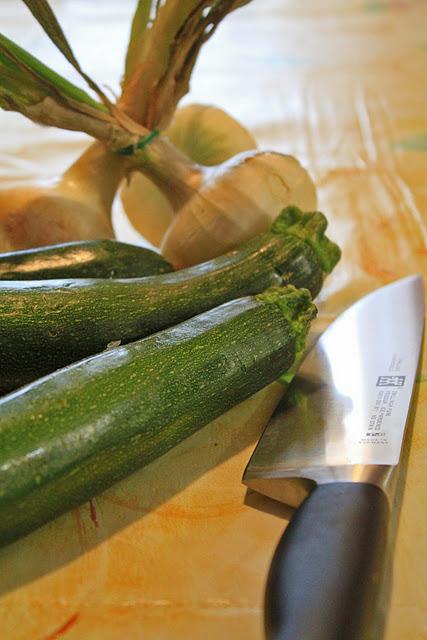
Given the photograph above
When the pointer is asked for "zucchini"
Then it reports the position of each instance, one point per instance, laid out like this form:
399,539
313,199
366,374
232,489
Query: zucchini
48,324
86,259
74,433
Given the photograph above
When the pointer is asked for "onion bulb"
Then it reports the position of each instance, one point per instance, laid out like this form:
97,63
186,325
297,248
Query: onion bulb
234,202
236,191
76,206
208,136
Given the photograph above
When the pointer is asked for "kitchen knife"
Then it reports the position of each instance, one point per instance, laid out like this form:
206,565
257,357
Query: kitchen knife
330,450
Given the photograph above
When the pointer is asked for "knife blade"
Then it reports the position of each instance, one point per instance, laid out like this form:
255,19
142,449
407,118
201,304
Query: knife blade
330,450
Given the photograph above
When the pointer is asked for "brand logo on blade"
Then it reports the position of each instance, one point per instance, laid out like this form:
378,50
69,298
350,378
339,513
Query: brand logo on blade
391,381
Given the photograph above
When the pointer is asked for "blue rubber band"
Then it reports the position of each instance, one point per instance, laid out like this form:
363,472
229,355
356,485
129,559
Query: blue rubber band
133,148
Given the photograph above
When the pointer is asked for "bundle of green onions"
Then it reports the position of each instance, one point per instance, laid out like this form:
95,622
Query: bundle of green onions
193,211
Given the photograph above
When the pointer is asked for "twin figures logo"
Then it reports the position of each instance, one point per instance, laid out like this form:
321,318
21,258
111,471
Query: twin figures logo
391,381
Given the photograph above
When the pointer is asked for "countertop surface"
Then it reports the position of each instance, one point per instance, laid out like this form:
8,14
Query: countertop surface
179,550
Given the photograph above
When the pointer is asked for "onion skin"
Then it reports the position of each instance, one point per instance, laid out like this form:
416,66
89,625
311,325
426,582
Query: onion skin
34,217
238,200
75,207
208,136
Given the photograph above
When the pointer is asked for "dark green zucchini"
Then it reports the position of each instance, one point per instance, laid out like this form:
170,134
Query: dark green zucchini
74,433
86,259
48,324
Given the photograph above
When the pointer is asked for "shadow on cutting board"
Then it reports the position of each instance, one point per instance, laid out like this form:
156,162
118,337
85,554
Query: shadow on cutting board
73,534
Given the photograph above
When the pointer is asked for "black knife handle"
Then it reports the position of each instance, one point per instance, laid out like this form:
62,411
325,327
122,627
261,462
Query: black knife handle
326,572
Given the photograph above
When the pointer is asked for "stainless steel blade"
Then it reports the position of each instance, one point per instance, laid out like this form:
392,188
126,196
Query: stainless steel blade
347,411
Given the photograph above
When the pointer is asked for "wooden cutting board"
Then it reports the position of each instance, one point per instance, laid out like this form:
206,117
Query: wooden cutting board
179,550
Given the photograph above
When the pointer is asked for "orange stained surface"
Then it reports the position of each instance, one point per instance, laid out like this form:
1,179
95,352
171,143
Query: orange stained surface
178,550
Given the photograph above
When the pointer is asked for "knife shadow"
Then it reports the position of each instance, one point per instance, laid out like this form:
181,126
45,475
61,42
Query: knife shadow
275,508
73,534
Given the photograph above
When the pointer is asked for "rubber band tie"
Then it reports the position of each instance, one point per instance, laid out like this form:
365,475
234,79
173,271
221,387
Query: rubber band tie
133,148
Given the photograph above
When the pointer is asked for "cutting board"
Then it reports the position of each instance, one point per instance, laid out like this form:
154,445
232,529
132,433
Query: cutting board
179,549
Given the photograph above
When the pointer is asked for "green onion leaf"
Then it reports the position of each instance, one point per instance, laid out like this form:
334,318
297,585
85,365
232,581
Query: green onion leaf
45,16
44,81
